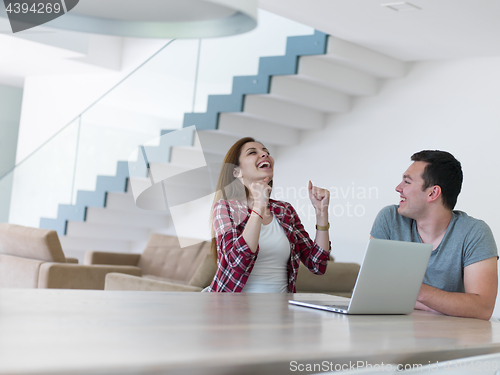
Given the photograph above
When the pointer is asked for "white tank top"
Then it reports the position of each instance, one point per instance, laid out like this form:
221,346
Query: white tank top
269,274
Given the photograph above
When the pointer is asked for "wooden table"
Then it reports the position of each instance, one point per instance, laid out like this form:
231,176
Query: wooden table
102,332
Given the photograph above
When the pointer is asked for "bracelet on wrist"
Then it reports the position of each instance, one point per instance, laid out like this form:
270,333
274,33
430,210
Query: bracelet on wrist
259,215
322,227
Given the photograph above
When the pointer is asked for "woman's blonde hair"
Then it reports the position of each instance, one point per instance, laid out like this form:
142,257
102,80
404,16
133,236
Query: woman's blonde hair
228,187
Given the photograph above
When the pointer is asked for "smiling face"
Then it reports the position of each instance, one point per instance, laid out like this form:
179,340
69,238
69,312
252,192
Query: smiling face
255,163
413,202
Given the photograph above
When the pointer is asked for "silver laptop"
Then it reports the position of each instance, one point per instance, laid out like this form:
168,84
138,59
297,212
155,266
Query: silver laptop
388,282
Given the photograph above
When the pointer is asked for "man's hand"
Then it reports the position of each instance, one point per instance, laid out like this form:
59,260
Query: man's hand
421,306
478,301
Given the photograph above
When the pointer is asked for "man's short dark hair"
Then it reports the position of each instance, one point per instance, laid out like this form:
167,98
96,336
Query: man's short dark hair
442,170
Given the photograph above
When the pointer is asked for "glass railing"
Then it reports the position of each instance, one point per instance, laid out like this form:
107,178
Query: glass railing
174,81
43,181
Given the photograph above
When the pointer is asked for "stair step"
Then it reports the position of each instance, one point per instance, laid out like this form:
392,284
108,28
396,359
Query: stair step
153,199
245,125
162,171
175,194
309,93
216,142
364,59
108,216
283,112
124,202
193,156
141,184
180,175
338,77
112,232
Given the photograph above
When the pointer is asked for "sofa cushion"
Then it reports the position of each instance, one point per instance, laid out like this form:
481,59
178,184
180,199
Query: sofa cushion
74,276
205,273
32,243
166,279
119,281
164,258
200,258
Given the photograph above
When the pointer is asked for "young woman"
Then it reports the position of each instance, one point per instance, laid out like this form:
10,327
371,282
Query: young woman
258,242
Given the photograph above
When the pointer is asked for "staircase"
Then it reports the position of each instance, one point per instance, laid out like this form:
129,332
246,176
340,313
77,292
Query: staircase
319,75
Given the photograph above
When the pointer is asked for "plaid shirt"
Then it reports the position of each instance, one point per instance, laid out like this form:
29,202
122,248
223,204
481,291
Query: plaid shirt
235,259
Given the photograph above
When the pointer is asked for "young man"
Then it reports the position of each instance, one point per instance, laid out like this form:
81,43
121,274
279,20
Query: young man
461,278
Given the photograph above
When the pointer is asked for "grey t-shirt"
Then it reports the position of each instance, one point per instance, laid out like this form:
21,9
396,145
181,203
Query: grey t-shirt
466,241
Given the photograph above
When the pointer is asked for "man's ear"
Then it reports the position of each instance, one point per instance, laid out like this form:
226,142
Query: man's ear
237,172
434,193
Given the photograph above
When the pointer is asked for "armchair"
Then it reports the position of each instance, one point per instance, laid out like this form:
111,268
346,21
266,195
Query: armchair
33,258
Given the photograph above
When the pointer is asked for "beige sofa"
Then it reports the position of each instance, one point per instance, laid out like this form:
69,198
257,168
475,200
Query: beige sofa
168,267
164,265
33,258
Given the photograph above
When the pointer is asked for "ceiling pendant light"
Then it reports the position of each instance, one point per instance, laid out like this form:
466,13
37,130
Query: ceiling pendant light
159,18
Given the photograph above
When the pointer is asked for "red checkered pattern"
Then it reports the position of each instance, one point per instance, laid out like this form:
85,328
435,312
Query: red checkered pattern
235,259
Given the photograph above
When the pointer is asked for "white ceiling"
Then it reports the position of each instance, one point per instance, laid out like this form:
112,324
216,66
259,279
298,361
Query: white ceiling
48,51
442,29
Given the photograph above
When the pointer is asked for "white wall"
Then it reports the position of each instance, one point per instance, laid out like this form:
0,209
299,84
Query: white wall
450,105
